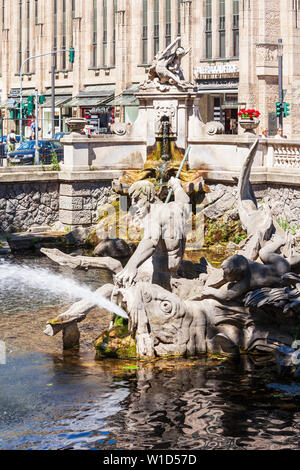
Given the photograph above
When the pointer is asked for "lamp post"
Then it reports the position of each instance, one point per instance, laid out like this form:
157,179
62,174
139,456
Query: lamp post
53,53
280,81
37,153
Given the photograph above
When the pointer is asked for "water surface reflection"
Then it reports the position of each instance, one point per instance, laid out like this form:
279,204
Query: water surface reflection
56,402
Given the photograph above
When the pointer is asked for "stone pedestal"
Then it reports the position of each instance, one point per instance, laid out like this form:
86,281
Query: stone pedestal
180,107
76,152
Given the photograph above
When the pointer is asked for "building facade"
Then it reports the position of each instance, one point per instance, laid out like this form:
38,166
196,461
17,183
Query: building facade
233,63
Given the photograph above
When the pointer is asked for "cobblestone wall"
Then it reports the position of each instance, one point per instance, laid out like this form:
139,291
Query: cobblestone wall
284,201
79,201
25,204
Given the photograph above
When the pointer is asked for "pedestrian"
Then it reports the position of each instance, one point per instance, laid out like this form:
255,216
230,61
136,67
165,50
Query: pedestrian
32,130
11,140
264,133
279,134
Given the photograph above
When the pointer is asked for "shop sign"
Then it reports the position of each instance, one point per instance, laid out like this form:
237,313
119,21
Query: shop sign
98,110
218,83
14,92
216,69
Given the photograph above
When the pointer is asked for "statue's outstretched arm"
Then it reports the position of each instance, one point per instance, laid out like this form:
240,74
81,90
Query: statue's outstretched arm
170,47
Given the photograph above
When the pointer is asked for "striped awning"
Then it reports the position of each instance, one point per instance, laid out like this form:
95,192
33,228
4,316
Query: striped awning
85,101
59,101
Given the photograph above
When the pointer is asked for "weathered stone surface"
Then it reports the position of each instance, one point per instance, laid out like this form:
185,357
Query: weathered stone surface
83,262
70,203
218,208
23,205
78,236
116,248
75,217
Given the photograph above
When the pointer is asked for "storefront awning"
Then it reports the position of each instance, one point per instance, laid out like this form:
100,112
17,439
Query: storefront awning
98,91
85,101
59,101
124,100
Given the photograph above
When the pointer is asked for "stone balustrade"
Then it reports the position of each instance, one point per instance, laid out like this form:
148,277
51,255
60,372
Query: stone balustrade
286,155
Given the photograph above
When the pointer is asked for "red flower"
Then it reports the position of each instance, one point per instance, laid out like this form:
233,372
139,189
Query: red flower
249,113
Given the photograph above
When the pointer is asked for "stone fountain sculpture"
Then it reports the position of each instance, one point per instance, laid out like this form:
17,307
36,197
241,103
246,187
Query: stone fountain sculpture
166,71
169,311
223,310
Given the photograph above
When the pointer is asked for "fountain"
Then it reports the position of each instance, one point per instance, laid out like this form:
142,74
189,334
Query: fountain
175,309
221,310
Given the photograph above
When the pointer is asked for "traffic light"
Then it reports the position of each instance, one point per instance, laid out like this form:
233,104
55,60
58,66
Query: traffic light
30,106
278,108
12,113
42,99
286,109
71,55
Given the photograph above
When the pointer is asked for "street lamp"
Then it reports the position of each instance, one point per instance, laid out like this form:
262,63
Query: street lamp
53,53
280,81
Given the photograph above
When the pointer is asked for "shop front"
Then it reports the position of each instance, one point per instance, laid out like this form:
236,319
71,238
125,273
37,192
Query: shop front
99,118
217,86
92,103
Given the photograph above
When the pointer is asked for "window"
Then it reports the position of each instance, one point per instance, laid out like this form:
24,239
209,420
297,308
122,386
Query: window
145,33
156,26
114,31
104,40
28,34
178,18
36,11
3,14
55,31
64,39
73,16
94,47
208,29
222,52
20,32
235,28
168,22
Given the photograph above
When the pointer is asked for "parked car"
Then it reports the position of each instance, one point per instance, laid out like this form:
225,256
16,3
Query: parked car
60,135
24,155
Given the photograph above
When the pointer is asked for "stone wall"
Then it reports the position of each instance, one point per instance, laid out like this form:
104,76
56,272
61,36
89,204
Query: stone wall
283,200
79,201
25,204
36,203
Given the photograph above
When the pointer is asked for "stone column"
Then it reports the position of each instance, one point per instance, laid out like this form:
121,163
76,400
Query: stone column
290,34
87,34
69,27
47,11
136,31
77,70
122,47
59,60
162,25
186,37
174,20
110,33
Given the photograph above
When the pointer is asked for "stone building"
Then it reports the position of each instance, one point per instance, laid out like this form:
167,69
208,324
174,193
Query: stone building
233,63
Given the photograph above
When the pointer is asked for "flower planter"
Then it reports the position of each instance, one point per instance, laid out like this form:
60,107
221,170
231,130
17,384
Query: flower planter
249,125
